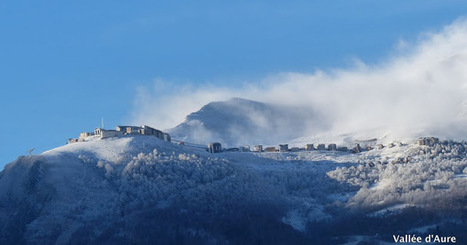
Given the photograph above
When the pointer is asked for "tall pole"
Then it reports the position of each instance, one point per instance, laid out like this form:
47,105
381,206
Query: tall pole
102,123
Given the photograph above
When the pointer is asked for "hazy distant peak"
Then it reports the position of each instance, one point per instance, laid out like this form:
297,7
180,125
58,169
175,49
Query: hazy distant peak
239,121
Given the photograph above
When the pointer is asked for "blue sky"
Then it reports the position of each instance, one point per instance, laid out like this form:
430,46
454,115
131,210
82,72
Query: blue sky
64,65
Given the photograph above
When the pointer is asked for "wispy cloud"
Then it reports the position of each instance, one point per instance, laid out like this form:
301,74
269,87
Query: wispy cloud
421,85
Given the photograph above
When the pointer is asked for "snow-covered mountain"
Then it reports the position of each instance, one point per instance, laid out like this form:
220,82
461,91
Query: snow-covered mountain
239,122
144,190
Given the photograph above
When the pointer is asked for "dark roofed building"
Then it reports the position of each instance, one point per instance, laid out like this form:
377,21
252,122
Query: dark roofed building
215,147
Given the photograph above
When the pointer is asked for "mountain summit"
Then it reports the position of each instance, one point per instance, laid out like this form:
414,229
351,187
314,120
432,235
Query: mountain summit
239,121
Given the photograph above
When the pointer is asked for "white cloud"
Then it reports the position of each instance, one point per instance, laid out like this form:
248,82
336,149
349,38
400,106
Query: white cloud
165,105
421,85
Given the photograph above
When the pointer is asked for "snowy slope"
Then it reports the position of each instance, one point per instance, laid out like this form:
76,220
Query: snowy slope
239,121
142,189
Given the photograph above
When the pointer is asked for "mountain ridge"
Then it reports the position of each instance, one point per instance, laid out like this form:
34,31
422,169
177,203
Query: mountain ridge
244,122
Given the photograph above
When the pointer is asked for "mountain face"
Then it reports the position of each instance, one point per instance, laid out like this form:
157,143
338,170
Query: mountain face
239,122
142,190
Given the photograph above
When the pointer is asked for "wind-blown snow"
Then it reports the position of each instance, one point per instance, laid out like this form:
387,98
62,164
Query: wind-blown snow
144,190
241,122
420,89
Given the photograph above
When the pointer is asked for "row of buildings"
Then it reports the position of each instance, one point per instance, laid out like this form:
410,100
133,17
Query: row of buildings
308,147
216,147
121,131
359,147
428,141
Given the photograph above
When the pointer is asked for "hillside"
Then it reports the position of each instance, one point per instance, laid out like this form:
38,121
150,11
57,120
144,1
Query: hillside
144,190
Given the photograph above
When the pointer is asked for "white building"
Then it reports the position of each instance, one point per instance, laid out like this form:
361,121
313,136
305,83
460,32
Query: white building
258,148
84,135
104,133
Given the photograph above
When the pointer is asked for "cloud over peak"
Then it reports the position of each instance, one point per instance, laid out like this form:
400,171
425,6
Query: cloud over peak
421,87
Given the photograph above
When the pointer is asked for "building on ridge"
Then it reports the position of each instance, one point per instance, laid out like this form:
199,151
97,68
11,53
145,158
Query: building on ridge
214,147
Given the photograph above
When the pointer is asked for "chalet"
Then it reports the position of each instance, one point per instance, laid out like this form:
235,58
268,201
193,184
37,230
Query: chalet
215,147
284,148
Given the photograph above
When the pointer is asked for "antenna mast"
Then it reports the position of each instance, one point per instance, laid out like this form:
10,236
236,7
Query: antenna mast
102,123
30,151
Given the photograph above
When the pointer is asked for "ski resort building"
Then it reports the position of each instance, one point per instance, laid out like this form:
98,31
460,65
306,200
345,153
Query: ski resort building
284,148
72,140
107,133
428,141
215,147
83,135
258,148
332,147
295,149
146,130
128,129
270,149
321,147
309,147
167,137
245,148
342,148
121,131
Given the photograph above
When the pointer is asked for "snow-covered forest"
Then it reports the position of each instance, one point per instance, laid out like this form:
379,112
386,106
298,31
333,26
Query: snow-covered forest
143,190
